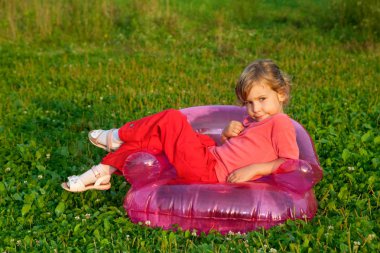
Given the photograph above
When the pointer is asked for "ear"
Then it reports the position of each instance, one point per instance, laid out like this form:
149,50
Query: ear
282,96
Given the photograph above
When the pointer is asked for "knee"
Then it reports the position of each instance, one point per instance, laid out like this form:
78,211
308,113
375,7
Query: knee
172,113
175,115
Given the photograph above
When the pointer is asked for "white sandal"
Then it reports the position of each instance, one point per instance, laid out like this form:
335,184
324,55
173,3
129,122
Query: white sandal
74,183
94,140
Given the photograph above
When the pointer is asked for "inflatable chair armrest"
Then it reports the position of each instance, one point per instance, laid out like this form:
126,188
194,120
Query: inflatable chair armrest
142,168
297,175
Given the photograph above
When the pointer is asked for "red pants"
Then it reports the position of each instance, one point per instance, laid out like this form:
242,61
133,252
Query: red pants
168,132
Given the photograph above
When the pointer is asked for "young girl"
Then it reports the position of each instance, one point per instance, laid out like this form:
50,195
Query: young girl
251,149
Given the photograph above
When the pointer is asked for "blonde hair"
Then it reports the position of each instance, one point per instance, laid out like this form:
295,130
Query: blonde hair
262,72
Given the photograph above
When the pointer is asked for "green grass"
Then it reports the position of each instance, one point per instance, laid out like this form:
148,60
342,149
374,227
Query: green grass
70,66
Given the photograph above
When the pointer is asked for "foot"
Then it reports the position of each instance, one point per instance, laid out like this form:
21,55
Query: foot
96,178
106,139
75,184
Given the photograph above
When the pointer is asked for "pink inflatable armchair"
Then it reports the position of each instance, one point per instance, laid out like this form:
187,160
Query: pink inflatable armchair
156,196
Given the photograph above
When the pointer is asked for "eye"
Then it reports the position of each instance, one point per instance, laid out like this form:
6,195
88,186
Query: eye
248,103
262,99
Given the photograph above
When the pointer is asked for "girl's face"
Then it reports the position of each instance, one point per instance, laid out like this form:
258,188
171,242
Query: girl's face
263,102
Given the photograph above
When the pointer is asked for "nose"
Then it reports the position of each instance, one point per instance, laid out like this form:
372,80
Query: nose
255,107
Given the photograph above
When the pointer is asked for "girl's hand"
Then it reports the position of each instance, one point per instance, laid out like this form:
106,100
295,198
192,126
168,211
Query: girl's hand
241,175
233,129
254,171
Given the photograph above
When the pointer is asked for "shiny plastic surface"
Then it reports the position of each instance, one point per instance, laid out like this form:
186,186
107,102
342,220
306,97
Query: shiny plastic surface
158,197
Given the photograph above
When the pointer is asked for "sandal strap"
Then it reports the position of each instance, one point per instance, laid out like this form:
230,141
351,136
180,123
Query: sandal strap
74,183
95,169
109,139
104,179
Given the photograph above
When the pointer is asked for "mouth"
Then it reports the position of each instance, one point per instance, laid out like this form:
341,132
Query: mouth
259,117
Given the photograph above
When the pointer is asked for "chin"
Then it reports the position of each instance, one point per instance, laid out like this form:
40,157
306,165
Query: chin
261,118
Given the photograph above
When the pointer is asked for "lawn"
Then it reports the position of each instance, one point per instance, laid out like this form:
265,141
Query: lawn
67,67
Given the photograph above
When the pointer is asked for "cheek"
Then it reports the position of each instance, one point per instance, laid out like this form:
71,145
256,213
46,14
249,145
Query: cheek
249,110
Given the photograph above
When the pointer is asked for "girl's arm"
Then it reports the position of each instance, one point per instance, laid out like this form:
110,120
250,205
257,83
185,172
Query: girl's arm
284,143
254,171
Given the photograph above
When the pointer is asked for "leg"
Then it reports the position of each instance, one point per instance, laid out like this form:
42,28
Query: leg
167,132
